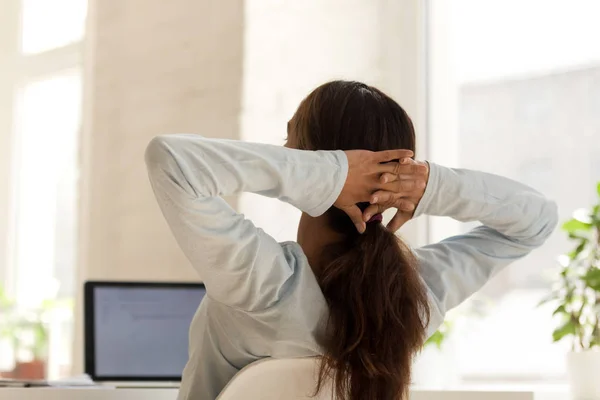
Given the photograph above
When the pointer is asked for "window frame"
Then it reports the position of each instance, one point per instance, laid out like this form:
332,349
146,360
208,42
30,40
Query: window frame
23,69
20,69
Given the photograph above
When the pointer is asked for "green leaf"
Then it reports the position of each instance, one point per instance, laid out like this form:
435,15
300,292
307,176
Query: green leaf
566,329
570,294
437,338
592,278
580,235
41,341
560,310
595,337
573,225
573,255
598,188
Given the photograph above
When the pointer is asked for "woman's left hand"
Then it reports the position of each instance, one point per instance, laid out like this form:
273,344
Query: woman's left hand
367,172
402,190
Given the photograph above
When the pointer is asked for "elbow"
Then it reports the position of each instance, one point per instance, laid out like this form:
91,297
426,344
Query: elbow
548,220
551,216
157,153
165,165
161,162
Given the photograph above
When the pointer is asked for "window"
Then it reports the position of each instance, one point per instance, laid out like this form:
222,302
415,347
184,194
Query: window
45,183
515,92
52,24
43,91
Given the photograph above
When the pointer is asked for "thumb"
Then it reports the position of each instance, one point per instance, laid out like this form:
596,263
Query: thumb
356,216
398,220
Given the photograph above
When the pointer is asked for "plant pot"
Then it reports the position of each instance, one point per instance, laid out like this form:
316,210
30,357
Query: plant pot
6,375
583,369
35,369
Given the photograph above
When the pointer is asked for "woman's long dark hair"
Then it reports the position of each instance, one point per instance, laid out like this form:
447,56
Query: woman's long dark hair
378,306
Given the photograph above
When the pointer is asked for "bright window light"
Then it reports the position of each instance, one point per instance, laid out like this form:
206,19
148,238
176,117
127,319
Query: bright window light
48,24
514,92
46,165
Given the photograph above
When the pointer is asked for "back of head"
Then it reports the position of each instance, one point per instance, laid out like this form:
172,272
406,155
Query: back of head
377,302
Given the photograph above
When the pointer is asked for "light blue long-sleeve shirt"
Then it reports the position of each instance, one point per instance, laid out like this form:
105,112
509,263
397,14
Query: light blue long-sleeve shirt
262,297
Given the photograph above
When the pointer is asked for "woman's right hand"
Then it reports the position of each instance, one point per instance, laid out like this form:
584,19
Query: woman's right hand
402,190
370,173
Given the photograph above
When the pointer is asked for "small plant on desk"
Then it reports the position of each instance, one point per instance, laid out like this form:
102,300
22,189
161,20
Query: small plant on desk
27,333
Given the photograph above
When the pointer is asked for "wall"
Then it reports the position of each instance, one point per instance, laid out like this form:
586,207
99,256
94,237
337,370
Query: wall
151,68
154,70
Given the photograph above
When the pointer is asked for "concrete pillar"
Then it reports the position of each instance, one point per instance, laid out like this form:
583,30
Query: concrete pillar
151,67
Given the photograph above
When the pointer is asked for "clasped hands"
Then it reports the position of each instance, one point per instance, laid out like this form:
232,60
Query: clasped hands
385,179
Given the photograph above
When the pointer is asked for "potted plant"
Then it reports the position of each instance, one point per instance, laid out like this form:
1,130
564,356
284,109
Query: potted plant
31,344
576,294
28,335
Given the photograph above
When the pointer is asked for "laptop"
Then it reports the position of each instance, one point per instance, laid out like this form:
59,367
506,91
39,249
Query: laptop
136,333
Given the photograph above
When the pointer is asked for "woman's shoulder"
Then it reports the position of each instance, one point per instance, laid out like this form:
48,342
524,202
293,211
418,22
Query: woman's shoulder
303,279
292,320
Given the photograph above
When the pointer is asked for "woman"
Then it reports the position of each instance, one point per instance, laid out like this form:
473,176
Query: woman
348,290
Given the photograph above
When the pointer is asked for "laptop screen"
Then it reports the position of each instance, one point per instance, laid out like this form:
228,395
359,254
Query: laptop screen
138,331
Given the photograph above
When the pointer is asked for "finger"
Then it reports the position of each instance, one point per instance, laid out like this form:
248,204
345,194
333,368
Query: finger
390,155
372,210
403,186
398,220
390,177
406,205
356,216
383,197
411,168
394,201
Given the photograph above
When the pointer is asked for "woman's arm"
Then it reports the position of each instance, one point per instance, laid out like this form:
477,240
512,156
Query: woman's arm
515,220
240,264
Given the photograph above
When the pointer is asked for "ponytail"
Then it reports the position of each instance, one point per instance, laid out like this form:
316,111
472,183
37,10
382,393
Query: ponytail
378,312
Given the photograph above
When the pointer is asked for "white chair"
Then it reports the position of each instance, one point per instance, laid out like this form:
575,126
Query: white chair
277,379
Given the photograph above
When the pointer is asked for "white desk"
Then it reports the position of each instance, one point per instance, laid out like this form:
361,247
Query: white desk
171,394
489,395
87,394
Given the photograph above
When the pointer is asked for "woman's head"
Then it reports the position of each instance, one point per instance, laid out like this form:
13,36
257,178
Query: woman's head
378,306
343,115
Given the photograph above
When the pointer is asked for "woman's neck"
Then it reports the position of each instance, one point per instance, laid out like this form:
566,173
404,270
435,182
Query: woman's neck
314,234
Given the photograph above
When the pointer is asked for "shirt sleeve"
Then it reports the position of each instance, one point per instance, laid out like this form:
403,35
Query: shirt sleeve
515,220
239,263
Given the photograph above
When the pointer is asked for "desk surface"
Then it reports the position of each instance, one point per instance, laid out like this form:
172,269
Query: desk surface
171,394
87,394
